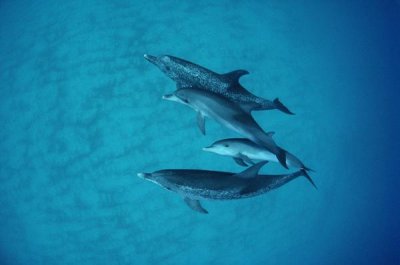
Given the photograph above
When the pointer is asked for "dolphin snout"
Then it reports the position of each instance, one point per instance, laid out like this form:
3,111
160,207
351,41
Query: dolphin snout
207,148
168,96
143,175
150,58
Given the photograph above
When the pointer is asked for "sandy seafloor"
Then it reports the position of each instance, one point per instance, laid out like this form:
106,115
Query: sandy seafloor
81,113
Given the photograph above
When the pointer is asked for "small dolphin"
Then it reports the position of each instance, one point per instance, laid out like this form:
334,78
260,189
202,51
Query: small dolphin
244,151
187,74
195,185
209,104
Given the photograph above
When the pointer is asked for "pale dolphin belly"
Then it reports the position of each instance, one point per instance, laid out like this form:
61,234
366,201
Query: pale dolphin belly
261,155
291,160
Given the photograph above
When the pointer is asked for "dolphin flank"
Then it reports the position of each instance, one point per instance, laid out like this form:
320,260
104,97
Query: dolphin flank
195,185
187,74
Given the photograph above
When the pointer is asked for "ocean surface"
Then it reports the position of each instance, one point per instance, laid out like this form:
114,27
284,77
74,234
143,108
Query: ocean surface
81,114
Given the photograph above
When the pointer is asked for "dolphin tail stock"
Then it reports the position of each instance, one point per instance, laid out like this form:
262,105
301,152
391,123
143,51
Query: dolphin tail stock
279,106
265,139
305,174
265,104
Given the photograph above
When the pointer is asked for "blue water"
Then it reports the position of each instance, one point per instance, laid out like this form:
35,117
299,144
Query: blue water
81,113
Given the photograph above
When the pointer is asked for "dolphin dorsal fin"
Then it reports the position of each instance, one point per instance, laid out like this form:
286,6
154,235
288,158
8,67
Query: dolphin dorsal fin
234,76
252,171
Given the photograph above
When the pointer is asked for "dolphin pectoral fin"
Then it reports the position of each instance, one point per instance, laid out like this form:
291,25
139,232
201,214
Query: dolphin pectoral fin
201,123
195,205
234,76
240,162
252,171
246,159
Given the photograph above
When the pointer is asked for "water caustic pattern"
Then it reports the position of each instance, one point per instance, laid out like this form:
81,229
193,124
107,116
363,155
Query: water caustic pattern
81,113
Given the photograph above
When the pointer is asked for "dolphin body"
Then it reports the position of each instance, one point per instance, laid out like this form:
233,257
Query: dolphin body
209,104
194,185
187,74
244,151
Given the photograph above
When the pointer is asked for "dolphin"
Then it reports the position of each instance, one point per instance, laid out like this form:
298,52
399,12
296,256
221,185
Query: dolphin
209,104
187,74
244,151
194,185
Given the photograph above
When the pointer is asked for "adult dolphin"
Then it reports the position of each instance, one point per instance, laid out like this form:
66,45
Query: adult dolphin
244,151
194,185
187,74
209,104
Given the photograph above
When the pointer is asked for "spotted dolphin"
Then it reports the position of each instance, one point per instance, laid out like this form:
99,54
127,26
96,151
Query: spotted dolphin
194,185
244,151
228,114
187,74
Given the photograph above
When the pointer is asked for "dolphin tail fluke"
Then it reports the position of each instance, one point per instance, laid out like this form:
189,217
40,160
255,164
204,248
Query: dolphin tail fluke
308,169
281,155
305,174
279,106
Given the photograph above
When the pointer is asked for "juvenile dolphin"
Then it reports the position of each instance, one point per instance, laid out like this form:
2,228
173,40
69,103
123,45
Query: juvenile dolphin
187,74
244,151
209,104
194,185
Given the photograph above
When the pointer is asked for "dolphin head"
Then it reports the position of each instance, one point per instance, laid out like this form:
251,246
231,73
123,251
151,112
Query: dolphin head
146,176
167,64
161,178
152,177
222,147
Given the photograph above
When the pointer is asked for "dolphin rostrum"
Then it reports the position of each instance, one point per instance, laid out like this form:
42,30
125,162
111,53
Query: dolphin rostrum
244,151
194,185
187,74
209,104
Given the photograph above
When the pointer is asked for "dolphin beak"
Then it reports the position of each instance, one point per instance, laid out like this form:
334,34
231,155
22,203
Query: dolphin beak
150,58
168,97
207,149
143,175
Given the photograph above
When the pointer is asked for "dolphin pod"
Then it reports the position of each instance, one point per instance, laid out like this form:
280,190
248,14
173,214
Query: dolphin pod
221,97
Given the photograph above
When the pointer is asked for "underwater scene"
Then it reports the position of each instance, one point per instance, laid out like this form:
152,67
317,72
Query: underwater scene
199,132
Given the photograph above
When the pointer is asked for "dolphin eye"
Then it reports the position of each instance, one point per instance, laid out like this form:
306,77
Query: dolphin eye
226,145
186,101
